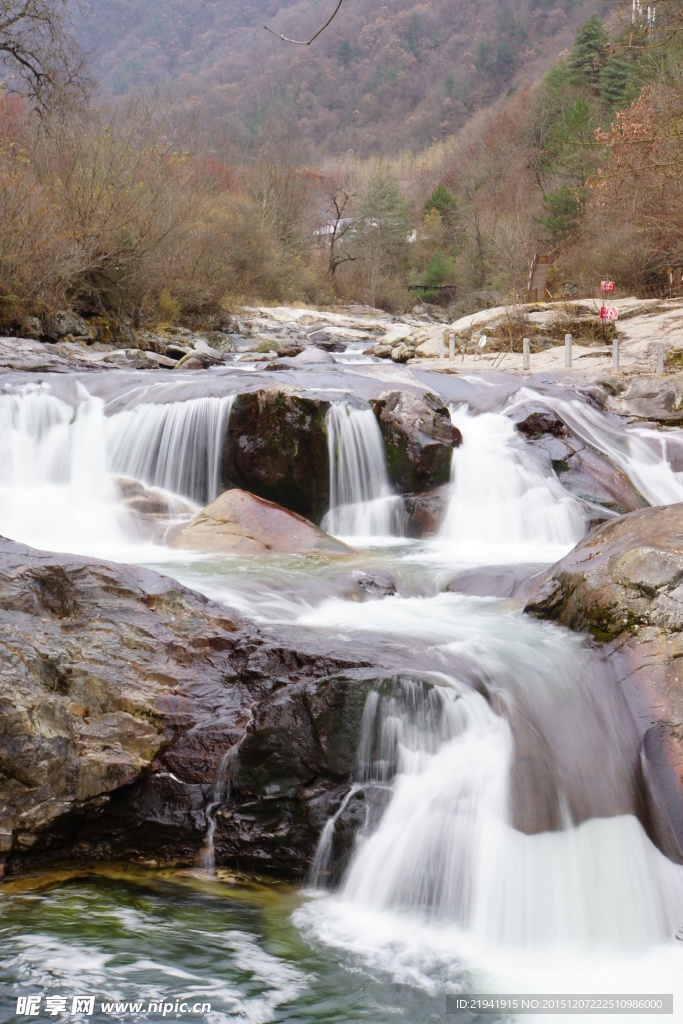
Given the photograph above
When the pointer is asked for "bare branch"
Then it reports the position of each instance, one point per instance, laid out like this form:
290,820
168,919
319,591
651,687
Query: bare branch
306,42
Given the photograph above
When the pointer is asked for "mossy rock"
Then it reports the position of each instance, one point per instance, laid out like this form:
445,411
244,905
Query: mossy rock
277,449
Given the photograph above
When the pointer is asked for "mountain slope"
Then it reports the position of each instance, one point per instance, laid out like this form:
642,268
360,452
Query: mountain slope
383,78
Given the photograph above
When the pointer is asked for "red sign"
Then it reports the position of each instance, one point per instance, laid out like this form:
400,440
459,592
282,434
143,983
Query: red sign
609,313
607,286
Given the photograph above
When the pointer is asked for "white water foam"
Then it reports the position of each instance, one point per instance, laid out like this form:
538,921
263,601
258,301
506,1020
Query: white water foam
504,505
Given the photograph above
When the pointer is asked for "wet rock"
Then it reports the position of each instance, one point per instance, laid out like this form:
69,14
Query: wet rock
502,581
624,585
277,449
245,524
291,774
120,692
425,512
419,439
536,420
584,472
594,479
150,501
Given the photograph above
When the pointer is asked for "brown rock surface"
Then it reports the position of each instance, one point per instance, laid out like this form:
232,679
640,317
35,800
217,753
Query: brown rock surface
624,584
241,523
120,693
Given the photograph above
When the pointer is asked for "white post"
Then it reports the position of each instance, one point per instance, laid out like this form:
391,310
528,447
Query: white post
615,355
451,345
660,359
442,345
567,350
526,354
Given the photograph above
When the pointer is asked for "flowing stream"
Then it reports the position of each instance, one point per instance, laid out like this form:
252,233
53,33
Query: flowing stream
504,845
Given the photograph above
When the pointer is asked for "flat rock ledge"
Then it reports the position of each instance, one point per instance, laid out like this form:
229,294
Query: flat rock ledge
624,585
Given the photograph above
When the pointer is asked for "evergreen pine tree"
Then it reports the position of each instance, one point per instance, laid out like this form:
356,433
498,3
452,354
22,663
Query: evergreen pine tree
616,81
588,52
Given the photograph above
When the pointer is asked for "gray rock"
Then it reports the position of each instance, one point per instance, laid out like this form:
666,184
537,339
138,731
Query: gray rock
64,323
419,439
31,327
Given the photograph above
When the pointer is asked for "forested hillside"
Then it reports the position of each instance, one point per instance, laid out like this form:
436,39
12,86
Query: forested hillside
385,77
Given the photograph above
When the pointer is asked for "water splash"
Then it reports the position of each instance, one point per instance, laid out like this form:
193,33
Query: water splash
362,503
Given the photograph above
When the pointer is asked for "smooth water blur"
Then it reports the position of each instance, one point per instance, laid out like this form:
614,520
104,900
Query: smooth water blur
505,507
503,848
362,504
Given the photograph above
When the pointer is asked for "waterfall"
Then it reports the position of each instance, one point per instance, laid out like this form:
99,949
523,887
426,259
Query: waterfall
59,462
504,505
177,446
55,490
647,456
445,847
361,500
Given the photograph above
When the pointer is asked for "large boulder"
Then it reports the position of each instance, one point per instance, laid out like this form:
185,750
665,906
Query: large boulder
624,585
240,523
64,324
277,449
419,439
120,693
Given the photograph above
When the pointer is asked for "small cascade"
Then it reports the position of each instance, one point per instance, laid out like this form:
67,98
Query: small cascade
444,848
55,490
504,505
220,794
652,459
361,500
177,446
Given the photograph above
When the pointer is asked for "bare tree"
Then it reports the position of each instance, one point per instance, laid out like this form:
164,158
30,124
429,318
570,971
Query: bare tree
39,55
341,226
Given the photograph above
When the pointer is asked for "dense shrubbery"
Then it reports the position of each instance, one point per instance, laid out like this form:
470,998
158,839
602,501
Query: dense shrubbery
119,208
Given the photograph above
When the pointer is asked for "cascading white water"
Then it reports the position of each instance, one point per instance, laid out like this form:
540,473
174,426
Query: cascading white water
647,456
361,500
59,464
55,490
504,505
446,847
176,446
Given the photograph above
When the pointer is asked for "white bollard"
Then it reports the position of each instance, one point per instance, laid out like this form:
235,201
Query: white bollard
451,345
567,350
442,345
660,359
615,355
526,354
